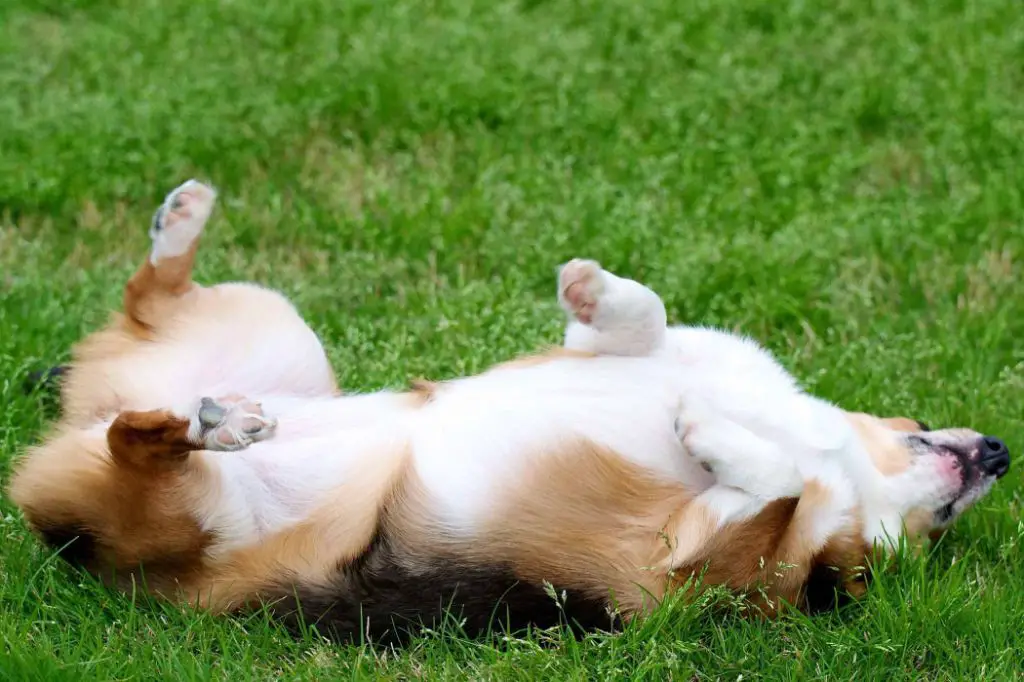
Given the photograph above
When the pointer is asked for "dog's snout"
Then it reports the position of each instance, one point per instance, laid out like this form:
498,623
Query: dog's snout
993,456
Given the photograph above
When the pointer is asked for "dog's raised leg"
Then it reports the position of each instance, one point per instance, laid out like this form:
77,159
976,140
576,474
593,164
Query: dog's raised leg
614,315
609,315
166,274
162,437
738,458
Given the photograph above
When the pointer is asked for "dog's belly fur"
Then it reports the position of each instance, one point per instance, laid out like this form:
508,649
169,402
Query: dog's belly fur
463,445
481,432
469,450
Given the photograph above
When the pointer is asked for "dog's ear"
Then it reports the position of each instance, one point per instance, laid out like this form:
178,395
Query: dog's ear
905,424
157,439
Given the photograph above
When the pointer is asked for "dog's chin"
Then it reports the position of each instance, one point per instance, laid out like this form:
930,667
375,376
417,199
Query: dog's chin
963,499
971,493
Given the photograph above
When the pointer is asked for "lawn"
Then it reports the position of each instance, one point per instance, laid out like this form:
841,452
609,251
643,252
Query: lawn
842,180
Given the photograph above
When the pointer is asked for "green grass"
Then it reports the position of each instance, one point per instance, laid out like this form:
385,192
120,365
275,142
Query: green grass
842,180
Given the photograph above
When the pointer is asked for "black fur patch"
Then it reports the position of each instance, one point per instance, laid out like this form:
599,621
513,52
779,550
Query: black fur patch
380,598
74,545
824,590
921,426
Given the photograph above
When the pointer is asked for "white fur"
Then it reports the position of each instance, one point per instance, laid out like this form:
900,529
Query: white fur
179,221
480,432
466,444
272,485
741,414
225,349
744,417
630,319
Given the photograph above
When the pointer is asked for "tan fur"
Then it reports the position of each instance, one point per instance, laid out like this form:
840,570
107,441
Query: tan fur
918,523
155,287
889,456
140,507
748,556
136,485
149,442
584,519
154,295
771,556
85,396
850,554
902,424
310,551
534,359
588,520
101,382
422,391
142,496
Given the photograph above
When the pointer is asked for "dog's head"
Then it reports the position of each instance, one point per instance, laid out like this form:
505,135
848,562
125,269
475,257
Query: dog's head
907,484
919,481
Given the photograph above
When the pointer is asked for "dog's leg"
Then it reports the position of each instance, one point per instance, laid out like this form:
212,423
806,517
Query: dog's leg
609,315
163,437
166,274
738,457
766,549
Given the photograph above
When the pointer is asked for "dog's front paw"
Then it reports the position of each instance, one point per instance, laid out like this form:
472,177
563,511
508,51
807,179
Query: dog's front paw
231,423
737,457
180,219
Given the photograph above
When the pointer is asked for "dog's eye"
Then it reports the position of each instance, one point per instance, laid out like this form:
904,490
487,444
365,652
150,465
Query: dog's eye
917,442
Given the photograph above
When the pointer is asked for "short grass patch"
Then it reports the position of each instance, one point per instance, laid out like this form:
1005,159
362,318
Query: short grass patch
841,180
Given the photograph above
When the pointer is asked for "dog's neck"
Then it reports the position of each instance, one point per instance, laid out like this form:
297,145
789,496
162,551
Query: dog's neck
881,518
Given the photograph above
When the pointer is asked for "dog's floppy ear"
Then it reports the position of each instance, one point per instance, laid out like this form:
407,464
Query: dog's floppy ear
905,424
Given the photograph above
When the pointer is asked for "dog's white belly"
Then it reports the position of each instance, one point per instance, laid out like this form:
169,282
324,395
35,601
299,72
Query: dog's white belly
320,448
479,435
471,440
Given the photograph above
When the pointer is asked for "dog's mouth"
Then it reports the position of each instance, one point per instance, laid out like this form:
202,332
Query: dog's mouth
978,464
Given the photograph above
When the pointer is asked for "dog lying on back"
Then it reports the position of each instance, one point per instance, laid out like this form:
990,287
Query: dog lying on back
205,452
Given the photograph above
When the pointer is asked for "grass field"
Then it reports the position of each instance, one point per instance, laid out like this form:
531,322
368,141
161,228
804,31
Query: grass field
841,180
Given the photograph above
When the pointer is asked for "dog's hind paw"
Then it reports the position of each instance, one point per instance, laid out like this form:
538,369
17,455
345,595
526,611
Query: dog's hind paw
580,285
180,220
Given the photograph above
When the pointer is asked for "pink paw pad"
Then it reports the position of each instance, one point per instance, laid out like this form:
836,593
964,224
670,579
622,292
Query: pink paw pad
579,286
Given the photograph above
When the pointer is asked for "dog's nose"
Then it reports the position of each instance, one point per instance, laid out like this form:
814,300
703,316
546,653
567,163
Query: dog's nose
994,456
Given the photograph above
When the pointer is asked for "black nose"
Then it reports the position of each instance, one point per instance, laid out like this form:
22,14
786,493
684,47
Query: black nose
994,456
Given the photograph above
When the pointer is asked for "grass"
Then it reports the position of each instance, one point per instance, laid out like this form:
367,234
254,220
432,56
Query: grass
841,180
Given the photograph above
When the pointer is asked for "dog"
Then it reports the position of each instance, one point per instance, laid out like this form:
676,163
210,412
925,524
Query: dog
205,453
